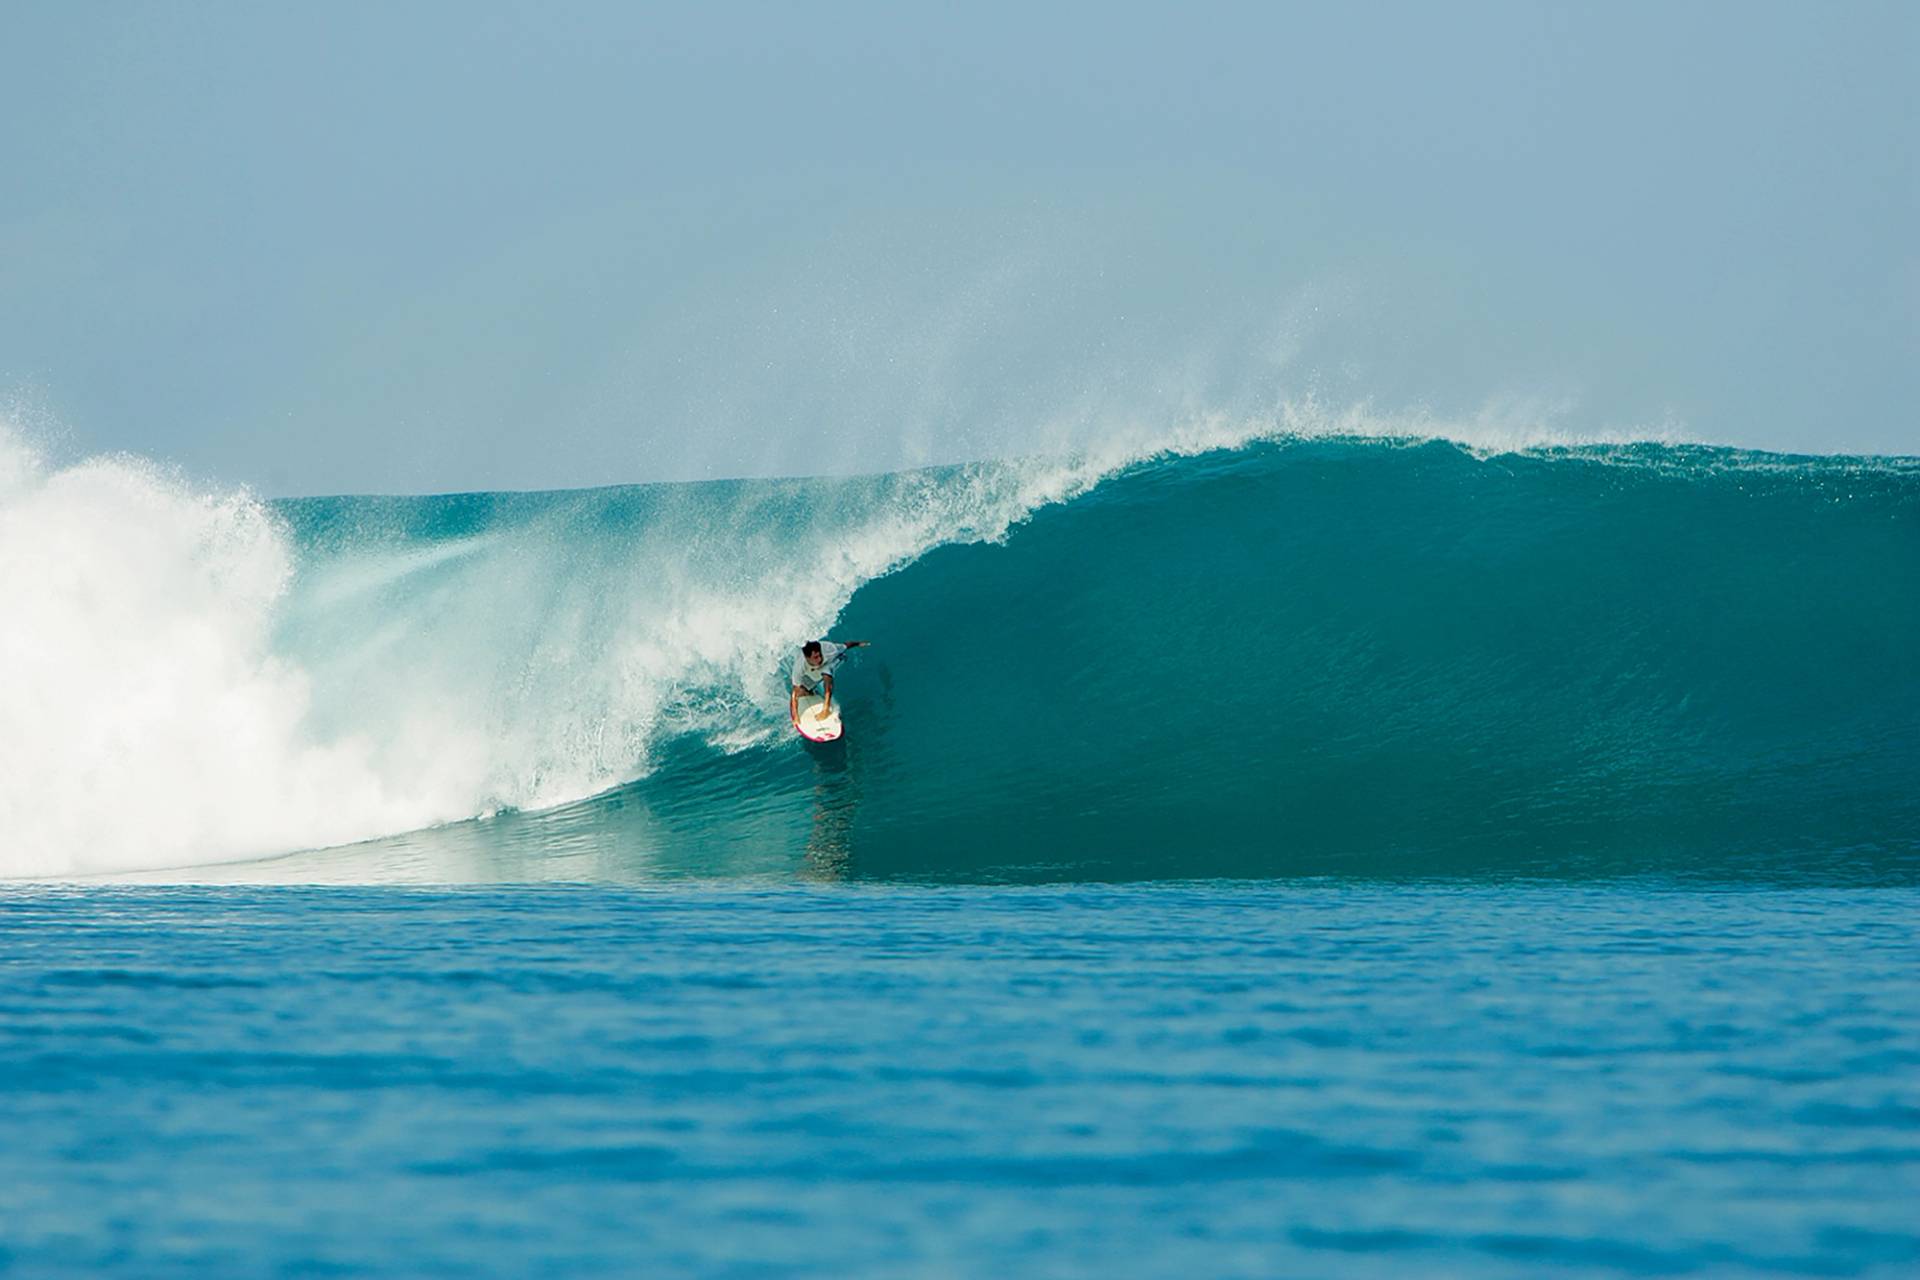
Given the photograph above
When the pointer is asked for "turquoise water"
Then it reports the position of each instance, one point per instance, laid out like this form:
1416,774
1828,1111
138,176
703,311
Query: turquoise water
1313,856
1223,1079
1281,657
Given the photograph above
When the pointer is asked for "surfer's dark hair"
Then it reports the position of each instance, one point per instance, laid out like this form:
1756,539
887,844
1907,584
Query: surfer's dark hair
810,648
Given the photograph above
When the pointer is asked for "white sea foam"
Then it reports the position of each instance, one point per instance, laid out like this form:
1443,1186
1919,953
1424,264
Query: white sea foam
143,716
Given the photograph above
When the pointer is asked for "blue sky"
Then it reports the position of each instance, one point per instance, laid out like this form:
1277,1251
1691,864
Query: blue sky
425,246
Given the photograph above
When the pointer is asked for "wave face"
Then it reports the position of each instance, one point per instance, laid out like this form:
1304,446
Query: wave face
1290,657
1309,658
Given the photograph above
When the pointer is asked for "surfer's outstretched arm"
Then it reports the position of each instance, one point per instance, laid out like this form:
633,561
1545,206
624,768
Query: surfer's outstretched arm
793,702
826,703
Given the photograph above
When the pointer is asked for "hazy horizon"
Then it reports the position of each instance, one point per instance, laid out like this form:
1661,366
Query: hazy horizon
435,249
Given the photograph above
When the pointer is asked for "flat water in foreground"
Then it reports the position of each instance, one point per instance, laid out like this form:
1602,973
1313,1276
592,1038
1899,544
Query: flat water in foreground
1231,1079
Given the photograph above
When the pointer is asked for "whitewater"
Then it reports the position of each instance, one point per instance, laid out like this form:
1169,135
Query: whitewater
1323,642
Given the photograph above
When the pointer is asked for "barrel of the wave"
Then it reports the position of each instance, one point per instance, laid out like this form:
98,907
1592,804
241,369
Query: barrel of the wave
815,721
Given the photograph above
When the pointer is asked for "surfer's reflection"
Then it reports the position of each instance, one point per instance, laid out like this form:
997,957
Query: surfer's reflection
836,786
836,798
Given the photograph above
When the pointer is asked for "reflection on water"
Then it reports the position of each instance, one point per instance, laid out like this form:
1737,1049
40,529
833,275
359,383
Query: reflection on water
836,801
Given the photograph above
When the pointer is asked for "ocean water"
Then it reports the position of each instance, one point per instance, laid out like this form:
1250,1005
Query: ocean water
1220,1079
1312,854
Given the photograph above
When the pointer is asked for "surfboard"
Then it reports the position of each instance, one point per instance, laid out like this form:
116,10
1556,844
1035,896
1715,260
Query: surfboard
812,724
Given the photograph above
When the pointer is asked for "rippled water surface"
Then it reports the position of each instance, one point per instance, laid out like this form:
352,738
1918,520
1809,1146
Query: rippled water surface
1229,1079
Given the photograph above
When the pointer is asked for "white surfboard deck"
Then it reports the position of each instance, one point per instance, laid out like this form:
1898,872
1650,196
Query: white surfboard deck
812,724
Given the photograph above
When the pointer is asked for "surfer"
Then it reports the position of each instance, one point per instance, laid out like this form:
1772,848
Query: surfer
813,670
